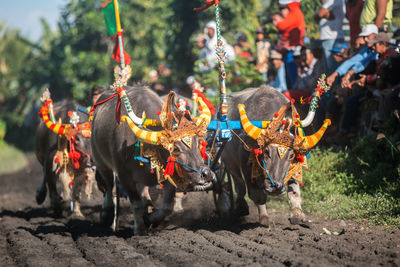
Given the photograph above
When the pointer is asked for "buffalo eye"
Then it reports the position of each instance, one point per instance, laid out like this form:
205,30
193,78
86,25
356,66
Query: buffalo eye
176,150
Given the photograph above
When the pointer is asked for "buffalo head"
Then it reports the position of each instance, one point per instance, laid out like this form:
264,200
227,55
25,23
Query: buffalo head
181,137
281,154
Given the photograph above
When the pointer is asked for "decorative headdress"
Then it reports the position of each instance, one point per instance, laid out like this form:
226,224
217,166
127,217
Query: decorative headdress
177,125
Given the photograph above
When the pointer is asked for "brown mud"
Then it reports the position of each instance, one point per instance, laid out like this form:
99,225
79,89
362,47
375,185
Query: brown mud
31,236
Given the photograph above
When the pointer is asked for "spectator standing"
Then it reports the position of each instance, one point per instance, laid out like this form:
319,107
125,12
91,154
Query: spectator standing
263,47
378,12
211,41
280,80
245,50
292,26
292,29
353,13
330,17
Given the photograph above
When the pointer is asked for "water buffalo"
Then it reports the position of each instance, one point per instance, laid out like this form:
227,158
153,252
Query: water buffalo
53,151
177,143
265,167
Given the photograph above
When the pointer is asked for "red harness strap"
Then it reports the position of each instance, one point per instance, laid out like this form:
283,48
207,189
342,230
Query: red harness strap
102,102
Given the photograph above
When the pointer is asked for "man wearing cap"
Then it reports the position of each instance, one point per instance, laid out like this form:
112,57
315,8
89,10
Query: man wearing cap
330,20
340,52
380,44
263,47
280,80
358,62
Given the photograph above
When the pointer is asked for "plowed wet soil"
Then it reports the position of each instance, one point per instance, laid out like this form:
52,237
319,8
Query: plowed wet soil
31,236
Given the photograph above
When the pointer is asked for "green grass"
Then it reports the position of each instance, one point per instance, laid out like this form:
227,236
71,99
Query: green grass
361,185
11,159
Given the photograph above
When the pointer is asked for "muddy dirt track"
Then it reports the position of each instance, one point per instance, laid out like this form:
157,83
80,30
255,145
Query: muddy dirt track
31,236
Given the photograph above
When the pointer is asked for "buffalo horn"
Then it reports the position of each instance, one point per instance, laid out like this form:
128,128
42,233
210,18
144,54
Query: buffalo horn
312,140
205,112
253,131
148,137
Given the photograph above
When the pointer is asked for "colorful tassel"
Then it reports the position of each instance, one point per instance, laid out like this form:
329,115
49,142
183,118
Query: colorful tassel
169,169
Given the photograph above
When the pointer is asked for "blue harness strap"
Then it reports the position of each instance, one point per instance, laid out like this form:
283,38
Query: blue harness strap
183,164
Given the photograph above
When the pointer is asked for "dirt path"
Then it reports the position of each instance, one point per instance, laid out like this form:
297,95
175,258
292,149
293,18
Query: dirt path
31,236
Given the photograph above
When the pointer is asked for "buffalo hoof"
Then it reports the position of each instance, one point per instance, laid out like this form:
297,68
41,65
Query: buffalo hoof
265,220
107,217
140,230
297,217
41,194
242,209
77,214
148,219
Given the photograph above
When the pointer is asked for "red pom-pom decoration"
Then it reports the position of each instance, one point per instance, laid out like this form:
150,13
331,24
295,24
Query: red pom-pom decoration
292,100
296,122
284,122
177,105
297,116
71,183
308,169
161,185
301,184
169,115
56,160
151,171
159,112
87,176
276,114
187,112
69,113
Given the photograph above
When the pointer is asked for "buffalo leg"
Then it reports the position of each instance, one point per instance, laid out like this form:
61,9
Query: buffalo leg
242,209
296,214
258,196
41,191
55,199
107,208
147,199
178,203
79,183
166,209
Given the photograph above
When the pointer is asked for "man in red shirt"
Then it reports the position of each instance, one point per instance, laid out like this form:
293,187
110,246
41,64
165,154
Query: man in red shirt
292,26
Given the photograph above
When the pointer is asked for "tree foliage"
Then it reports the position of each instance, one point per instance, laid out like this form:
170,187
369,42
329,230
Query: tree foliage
77,55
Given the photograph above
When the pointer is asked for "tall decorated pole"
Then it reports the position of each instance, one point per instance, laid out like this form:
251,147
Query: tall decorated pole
122,73
221,55
223,102
119,34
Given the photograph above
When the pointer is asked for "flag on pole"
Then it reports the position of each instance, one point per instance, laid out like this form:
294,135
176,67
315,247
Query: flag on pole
111,19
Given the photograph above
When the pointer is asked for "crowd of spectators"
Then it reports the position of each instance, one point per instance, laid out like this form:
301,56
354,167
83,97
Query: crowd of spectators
357,70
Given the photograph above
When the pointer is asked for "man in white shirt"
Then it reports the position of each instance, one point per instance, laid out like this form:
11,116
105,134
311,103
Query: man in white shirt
211,41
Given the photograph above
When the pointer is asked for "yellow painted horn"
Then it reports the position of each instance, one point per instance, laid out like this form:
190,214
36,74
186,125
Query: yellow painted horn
205,112
55,127
253,131
143,135
312,140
